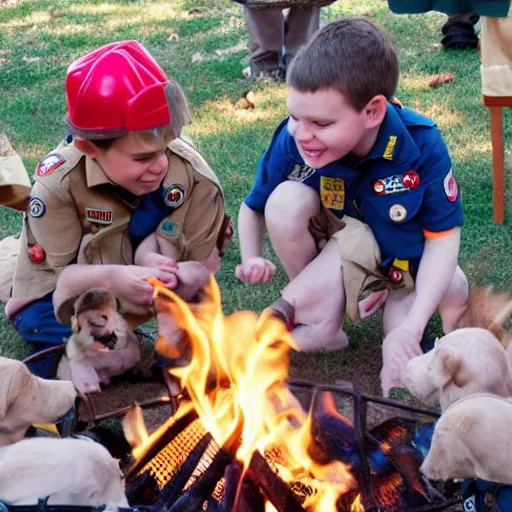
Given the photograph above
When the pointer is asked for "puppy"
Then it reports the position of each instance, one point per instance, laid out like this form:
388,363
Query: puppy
26,399
472,440
71,471
491,311
101,345
462,363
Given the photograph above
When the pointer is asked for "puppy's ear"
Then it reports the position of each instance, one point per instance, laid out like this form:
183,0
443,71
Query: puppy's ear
74,324
453,365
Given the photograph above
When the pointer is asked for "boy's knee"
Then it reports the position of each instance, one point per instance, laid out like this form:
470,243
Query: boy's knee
291,202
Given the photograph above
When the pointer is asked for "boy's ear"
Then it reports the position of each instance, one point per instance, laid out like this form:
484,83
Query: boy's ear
87,147
374,111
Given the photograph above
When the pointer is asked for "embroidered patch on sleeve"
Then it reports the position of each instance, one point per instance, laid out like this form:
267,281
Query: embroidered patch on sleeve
49,164
332,192
36,207
451,188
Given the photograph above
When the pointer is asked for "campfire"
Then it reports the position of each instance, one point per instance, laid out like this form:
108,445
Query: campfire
242,439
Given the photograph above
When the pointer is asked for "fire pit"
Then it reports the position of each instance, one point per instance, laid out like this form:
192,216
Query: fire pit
241,439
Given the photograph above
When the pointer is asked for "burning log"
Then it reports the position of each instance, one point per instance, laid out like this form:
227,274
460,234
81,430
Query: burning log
275,490
240,493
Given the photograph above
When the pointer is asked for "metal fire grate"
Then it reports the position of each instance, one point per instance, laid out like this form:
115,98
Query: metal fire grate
185,458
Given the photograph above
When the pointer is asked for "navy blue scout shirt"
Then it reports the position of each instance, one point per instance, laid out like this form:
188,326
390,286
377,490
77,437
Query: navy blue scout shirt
405,184
147,216
282,161
408,186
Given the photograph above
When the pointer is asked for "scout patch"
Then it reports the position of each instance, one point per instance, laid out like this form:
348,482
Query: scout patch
49,164
451,189
397,183
388,152
168,227
332,192
174,196
36,207
397,213
301,173
103,216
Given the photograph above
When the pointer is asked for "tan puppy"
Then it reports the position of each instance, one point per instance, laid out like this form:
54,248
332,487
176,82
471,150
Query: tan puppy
101,345
491,311
27,399
69,471
462,363
472,439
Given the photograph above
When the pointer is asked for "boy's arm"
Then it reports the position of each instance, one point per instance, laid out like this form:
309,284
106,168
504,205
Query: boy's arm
435,274
254,269
127,282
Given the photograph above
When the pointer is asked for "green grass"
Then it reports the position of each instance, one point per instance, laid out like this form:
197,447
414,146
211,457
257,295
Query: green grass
206,52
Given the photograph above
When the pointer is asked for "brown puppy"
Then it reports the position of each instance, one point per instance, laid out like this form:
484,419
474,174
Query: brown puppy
462,363
101,345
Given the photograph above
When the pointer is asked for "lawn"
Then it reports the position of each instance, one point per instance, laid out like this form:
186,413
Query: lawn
203,45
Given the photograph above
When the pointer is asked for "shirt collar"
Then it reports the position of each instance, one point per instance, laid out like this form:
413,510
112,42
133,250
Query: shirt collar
94,173
394,142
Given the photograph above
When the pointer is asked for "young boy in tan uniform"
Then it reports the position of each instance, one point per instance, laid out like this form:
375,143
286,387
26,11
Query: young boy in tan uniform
126,118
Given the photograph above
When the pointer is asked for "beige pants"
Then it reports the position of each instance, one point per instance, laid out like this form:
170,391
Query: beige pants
358,251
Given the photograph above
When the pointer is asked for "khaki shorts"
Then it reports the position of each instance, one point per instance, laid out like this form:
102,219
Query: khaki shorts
359,255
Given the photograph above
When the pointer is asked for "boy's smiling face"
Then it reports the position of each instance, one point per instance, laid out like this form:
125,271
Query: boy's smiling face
326,127
135,163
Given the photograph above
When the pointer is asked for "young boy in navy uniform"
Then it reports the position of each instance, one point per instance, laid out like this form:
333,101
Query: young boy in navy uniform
126,118
350,149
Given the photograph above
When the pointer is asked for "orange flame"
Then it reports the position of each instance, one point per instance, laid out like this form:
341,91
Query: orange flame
245,357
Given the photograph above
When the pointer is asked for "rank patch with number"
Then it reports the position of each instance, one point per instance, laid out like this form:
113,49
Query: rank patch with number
397,183
36,207
49,164
174,196
301,173
103,216
332,192
451,188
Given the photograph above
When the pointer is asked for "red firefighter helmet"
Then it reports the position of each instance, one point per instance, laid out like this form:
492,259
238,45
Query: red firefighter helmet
116,89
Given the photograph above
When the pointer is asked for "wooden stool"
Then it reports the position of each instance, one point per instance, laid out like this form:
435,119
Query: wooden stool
496,54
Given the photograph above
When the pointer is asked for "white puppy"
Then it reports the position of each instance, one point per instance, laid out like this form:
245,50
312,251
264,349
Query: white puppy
462,363
69,471
472,439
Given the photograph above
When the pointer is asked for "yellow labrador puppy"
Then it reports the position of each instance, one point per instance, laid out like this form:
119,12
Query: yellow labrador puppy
462,363
472,439
69,471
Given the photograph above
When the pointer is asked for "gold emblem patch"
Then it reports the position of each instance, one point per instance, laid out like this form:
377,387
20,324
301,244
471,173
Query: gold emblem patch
388,152
332,192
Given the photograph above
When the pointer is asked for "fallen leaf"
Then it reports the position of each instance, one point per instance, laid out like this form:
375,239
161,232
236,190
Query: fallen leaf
246,101
57,13
441,78
195,12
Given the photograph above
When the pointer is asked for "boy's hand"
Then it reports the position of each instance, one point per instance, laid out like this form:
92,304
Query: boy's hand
398,347
255,271
168,266
129,282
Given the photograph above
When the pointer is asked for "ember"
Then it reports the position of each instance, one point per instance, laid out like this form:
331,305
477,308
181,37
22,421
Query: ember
241,440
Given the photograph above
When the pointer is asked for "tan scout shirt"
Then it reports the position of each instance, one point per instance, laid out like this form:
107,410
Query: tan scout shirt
78,216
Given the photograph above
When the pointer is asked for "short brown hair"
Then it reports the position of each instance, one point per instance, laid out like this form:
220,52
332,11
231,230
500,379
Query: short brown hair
353,56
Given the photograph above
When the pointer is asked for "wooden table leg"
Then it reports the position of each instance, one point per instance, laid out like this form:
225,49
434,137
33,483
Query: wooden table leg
498,184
